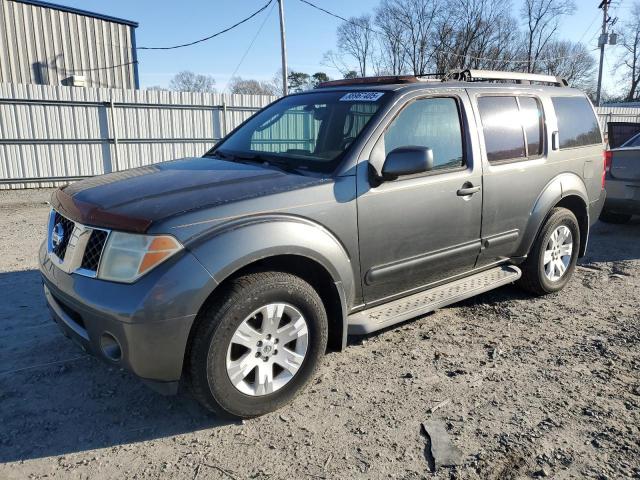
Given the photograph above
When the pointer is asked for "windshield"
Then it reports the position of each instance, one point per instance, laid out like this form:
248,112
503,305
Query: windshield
306,132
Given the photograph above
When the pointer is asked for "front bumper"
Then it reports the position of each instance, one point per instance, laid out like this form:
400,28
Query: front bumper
149,320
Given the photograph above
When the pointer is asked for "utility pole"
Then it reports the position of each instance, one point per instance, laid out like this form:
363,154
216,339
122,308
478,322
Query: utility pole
283,45
604,5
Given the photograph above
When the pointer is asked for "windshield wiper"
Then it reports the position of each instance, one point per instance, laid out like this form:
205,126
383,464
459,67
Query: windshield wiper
256,158
265,160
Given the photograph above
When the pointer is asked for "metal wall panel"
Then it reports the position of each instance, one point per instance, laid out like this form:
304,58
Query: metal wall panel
51,132
43,46
617,114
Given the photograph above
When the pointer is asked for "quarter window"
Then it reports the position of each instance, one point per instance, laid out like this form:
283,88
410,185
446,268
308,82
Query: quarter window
577,124
429,122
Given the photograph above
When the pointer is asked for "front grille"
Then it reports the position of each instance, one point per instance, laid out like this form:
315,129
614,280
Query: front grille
77,248
93,251
67,227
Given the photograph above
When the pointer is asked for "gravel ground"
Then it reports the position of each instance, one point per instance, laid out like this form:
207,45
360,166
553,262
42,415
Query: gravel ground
525,387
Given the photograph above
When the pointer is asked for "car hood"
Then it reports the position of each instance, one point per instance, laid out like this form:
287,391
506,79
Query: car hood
132,200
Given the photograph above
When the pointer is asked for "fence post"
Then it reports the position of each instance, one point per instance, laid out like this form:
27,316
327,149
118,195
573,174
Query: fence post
114,133
105,137
224,118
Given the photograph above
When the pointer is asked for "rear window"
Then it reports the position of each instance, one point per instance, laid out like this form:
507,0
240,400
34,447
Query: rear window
577,124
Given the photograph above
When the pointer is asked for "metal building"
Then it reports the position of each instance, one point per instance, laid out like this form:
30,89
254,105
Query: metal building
46,44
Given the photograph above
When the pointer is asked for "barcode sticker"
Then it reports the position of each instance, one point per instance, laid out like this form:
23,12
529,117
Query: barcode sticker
361,97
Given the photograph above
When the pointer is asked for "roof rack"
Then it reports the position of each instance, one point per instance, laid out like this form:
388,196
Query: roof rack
522,78
380,80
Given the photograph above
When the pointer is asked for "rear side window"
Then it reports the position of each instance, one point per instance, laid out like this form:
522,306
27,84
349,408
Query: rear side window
429,122
503,134
577,124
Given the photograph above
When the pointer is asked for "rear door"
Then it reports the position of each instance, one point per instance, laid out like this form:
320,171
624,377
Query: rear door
515,170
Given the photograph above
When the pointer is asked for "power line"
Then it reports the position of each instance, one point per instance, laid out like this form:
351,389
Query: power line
210,36
255,37
110,67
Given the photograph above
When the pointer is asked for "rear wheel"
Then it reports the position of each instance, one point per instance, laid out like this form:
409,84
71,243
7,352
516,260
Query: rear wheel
258,345
612,217
553,257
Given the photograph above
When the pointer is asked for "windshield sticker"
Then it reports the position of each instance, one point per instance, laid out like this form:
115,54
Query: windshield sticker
361,97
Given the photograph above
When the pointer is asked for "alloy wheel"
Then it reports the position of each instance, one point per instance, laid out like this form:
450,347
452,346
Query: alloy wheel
557,254
267,349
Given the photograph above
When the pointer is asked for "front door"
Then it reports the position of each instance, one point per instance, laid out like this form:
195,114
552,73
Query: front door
422,229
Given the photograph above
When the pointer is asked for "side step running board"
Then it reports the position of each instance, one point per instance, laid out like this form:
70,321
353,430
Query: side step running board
427,301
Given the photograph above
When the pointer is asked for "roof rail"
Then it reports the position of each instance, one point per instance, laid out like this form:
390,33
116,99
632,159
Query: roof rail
380,80
470,75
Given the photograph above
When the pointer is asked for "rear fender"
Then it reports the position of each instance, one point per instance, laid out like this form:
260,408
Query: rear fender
562,186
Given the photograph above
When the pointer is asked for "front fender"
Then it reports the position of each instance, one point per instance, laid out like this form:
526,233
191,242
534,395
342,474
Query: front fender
561,186
230,247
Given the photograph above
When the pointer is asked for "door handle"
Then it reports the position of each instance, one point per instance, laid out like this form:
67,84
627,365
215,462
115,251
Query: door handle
465,191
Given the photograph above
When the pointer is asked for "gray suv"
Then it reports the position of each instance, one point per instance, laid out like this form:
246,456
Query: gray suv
338,211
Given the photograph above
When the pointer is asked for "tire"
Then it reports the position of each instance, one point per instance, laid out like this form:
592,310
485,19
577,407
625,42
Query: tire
538,276
236,316
612,217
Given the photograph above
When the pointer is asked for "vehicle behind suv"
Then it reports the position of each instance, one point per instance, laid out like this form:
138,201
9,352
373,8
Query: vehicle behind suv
338,211
622,167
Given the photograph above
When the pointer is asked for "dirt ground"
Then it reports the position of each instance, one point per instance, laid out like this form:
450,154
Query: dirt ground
525,387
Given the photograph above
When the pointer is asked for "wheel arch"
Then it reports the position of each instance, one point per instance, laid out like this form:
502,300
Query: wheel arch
291,245
567,191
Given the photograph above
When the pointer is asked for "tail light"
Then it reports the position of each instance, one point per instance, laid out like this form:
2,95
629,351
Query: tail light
606,165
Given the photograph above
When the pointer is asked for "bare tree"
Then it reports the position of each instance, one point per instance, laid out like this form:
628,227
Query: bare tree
355,40
392,58
630,58
476,34
542,19
569,60
251,87
190,82
337,60
418,21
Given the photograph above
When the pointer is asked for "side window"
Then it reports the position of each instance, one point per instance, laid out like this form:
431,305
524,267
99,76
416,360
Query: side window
532,121
513,127
429,122
577,125
503,136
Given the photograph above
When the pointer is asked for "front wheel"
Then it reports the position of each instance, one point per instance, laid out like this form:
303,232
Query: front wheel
258,345
553,257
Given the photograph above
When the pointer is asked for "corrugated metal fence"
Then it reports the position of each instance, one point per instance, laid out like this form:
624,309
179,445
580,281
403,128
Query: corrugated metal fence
617,114
50,133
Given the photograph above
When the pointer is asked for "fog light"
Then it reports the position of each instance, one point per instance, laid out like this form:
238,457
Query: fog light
110,347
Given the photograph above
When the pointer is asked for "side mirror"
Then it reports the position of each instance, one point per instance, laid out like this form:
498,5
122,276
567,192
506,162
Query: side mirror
407,161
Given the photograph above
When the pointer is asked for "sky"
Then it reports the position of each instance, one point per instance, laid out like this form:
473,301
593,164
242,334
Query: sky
310,33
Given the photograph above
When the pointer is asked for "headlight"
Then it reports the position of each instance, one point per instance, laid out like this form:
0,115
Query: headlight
128,256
